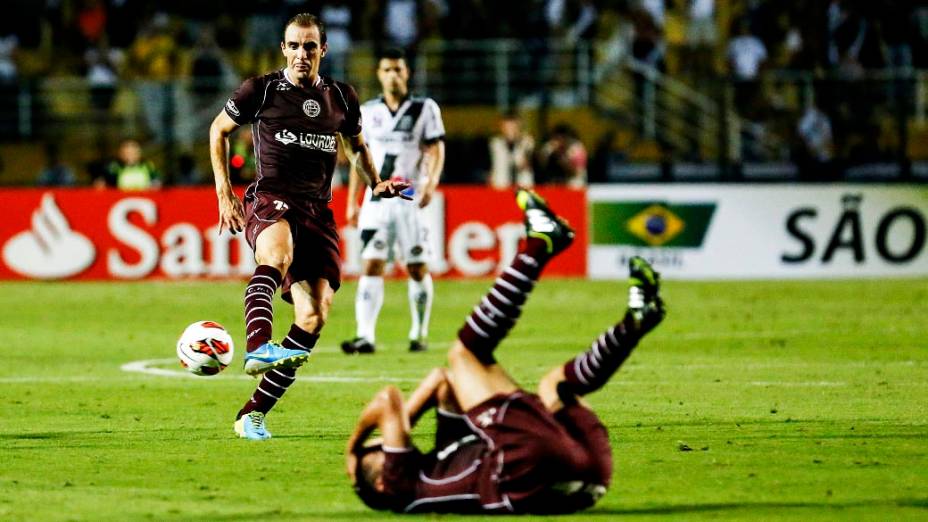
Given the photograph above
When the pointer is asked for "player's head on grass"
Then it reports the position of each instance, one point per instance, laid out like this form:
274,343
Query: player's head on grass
393,72
304,46
369,478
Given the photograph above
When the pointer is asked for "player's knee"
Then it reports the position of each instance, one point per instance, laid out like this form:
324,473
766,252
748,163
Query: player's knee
279,259
392,398
417,271
374,267
458,354
547,387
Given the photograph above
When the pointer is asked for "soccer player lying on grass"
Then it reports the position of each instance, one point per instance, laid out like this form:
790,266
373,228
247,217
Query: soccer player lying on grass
498,448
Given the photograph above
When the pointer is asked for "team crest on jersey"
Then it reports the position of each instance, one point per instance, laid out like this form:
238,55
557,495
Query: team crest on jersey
311,108
232,108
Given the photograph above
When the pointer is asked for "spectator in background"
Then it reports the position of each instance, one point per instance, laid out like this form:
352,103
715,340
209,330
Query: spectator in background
338,18
102,64
816,145
563,159
153,61
700,38
91,22
9,88
262,25
130,171
511,153
746,56
573,20
9,43
208,70
648,49
401,26
55,173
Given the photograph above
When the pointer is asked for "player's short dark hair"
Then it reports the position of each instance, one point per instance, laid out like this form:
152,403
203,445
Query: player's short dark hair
364,482
307,20
391,53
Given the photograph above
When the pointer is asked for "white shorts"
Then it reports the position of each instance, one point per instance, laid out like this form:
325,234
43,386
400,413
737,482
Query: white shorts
393,229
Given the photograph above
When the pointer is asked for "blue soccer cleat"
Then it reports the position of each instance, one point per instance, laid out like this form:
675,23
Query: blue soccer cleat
270,355
251,426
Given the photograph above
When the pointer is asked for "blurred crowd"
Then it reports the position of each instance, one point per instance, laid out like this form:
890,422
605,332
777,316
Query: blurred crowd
845,35
840,44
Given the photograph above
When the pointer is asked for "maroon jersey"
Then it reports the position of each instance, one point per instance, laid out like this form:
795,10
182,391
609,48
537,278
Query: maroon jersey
511,456
295,132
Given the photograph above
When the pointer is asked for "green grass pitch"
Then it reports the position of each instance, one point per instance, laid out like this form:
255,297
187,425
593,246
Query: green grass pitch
754,400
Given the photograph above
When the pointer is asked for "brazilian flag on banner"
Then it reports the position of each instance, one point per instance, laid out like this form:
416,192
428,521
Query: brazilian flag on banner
650,224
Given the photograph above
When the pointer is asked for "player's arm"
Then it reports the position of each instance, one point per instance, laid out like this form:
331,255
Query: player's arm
352,209
426,395
231,212
386,413
360,157
434,162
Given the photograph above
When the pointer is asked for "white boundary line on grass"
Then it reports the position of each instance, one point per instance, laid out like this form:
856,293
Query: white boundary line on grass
150,367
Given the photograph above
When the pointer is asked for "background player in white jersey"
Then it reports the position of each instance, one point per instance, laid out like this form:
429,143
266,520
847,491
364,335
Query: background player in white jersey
405,134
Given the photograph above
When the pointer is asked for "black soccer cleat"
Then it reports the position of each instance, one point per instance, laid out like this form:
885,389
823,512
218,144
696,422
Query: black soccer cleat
358,345
418,346
542,223
645,306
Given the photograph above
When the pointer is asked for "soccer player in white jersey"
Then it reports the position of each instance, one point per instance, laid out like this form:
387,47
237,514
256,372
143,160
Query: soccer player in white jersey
405,134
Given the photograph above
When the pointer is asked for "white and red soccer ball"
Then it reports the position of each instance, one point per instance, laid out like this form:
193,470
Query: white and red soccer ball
205,348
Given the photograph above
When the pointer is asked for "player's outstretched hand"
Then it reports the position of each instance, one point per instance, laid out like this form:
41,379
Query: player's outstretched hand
231,212
392,189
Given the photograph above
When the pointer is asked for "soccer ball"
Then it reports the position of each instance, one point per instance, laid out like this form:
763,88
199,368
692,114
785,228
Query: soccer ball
205,348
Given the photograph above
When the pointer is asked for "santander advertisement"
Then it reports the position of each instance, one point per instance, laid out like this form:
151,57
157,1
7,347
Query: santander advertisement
88,234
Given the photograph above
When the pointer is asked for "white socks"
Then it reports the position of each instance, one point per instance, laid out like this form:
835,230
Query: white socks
367,303
369,300
420,307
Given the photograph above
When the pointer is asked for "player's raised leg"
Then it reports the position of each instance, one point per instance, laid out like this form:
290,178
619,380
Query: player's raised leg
476,376
590,370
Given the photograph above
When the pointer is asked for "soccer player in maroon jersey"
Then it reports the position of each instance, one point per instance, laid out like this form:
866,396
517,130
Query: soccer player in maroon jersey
498,448
297,117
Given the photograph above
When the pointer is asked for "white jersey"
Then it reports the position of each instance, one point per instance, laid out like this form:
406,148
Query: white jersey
396,140
394,227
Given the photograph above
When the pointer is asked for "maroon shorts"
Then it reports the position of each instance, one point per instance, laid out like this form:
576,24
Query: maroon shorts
535,451
315,238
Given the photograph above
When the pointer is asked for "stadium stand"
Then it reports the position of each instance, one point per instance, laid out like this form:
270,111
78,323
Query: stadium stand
652,87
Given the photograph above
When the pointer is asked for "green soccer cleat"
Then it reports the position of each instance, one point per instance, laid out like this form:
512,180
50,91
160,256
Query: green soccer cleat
645,306
542,223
